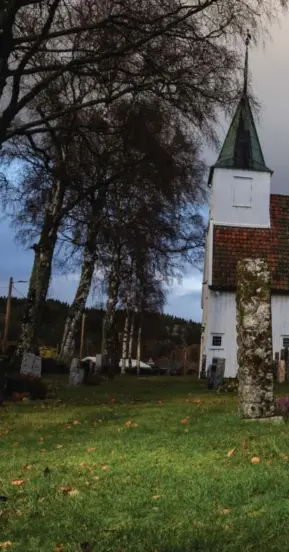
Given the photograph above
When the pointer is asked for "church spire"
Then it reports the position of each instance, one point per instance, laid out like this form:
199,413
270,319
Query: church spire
241,148
246,69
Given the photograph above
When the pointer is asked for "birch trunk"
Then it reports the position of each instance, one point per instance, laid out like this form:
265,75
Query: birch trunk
125,343
110,354
77,308
131,334
41,272
138,348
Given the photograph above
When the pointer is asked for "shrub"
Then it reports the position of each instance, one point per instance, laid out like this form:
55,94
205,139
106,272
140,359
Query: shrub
230,385
25,383
282,406
92,379
48,352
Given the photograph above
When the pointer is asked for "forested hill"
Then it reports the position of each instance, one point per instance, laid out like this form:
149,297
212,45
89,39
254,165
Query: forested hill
161,332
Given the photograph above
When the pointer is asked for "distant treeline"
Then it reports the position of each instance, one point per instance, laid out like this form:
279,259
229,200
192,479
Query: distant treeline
162,333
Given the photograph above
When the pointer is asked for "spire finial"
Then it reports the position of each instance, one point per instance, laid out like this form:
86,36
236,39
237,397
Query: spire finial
246,70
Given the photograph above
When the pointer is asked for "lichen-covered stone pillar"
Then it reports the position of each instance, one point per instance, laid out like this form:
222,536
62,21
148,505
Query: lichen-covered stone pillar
254,339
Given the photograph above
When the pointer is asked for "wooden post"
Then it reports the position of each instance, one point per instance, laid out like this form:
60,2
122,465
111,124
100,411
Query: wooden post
7,315
82,336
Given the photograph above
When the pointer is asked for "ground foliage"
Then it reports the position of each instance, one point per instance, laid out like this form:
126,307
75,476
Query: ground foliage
141,466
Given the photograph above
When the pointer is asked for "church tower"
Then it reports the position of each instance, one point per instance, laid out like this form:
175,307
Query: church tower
240,180
240,184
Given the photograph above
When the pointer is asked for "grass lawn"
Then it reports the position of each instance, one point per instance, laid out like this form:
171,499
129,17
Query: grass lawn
142,466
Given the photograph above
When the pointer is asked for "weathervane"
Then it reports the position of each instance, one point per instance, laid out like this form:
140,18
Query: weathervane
246,70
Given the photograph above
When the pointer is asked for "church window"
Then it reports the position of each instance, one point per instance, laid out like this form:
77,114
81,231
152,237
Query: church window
285,341
217,341
242,192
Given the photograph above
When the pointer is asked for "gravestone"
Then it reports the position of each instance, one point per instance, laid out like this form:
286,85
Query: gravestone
281,371
203,368
254,339
31,364
76,374
220,372
216,373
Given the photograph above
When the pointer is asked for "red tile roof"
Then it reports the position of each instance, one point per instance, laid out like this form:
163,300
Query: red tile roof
233,243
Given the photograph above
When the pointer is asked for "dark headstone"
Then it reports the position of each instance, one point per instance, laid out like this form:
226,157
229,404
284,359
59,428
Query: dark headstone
203,369
216,373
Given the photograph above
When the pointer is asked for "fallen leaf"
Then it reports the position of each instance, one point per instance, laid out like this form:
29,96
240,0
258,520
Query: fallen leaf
226,511
244,444
28,467
255,460
59,446
268,462
6,544
17,482
76,422
59,548
73,492
156,497
134,425
43,451
16,443
67,426
113,401
231,452
64,489
104,468
185,420
96,478
128,424
90,449
84,465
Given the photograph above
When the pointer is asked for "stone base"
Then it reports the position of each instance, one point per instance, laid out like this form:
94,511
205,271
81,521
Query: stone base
273,419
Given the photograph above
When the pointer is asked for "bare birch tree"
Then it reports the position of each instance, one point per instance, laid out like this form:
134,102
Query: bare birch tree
43,40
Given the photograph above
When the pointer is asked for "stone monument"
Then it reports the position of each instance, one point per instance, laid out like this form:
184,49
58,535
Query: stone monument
254,339
76,374
31,364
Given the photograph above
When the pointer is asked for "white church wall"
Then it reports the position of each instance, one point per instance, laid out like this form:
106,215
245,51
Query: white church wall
280,321
221,323
240,198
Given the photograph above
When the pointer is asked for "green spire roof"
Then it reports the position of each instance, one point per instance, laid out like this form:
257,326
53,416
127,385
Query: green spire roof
242,149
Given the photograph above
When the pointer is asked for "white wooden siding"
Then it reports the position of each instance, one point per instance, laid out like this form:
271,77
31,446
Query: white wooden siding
252,211
280,320
221,319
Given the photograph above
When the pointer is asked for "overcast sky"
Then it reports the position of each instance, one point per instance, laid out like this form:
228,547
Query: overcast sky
270,80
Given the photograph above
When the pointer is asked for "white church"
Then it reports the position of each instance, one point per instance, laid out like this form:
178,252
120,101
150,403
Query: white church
245,221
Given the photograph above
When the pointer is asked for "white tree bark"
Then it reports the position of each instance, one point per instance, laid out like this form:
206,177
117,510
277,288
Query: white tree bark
77,308
138,348
131,335
41,271
110,353
125,344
